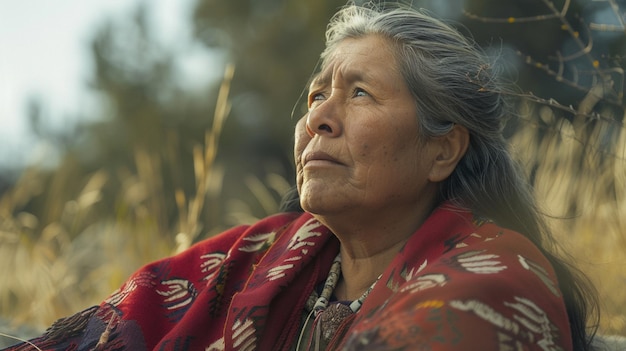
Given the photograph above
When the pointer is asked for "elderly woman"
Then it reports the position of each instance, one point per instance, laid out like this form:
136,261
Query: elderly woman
415,230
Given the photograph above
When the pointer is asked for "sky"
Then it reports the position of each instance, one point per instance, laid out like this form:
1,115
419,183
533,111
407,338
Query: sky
44,52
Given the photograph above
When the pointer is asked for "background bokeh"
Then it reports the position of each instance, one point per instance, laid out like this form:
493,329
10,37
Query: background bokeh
160,161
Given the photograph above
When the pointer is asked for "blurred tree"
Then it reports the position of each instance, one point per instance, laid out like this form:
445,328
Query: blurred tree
147,126
275,45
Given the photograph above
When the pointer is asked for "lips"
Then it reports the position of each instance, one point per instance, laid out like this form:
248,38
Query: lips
319,157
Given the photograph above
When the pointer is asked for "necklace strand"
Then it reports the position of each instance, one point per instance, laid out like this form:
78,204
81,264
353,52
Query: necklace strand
327,319
331,283
318,303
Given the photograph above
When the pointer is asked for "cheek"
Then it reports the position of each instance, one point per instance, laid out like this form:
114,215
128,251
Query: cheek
400,159
301,139
384,147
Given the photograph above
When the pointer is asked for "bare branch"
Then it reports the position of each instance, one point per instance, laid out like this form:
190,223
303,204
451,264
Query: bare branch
590,115
585,49
597,93
600,75
606,27
509,19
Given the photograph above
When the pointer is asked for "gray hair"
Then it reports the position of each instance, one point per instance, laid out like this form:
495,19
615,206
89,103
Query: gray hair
453,82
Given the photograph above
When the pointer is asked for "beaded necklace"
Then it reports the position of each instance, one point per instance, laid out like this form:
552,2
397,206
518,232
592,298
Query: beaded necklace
329,318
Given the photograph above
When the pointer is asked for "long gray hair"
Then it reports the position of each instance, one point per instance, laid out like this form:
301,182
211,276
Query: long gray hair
453,82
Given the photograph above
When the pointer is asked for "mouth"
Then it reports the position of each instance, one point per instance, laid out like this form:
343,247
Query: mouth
319,158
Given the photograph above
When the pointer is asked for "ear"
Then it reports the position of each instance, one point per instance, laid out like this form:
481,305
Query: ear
450,148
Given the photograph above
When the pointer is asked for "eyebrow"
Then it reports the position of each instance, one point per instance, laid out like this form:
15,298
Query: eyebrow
351,76
318,79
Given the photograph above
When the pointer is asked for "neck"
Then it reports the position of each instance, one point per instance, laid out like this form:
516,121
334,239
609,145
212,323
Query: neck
370,241
359,273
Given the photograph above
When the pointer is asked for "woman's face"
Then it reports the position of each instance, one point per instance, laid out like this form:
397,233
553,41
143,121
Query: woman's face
357,150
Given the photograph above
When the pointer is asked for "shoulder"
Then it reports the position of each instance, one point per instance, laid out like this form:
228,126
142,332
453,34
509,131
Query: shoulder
504,258
500,268
187,273
491,289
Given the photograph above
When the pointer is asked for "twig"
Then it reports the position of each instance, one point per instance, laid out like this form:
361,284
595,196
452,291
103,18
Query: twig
19,339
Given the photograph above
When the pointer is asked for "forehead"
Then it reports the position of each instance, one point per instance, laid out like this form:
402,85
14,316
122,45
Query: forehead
360,58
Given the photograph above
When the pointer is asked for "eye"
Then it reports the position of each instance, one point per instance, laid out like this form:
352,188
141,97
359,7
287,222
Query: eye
358,92
315,97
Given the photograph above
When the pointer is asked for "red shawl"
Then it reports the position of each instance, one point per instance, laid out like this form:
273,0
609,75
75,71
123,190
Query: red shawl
459,283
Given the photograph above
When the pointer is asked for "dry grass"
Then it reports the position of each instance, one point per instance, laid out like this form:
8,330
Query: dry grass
76,251
583,189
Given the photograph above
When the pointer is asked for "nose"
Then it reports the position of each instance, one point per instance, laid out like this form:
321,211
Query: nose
324,120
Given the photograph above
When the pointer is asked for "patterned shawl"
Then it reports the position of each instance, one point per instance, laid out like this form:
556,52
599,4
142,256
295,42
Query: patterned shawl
459,283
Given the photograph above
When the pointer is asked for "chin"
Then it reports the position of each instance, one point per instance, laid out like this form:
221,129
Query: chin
308,207
315,208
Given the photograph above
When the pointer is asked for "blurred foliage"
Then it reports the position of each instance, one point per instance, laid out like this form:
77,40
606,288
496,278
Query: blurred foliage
161,165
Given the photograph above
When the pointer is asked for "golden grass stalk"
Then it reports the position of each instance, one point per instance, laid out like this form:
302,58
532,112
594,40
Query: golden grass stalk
205,173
